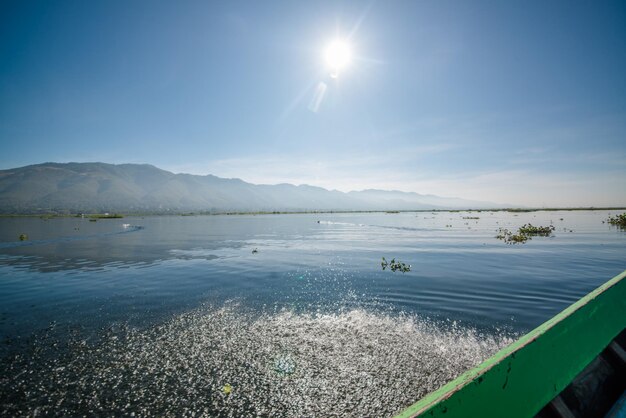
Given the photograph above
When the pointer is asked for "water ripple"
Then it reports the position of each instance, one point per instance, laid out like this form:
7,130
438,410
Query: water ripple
14,244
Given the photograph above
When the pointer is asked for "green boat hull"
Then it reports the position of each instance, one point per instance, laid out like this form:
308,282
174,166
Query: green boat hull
522,378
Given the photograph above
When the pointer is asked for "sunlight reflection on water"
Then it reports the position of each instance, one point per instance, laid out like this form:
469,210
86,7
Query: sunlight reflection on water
114,316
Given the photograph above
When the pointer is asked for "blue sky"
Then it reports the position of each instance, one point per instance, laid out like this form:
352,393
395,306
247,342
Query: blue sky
520,102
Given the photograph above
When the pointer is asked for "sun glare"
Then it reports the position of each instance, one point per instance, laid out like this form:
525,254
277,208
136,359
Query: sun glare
337,56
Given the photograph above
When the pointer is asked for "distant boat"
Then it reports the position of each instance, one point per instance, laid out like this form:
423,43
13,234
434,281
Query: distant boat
126,225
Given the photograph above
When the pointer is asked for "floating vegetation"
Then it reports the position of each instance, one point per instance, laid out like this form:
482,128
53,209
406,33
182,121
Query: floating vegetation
531,230
93,220
524,233
618,220
395,265
228,363
511,238
106,216
23,237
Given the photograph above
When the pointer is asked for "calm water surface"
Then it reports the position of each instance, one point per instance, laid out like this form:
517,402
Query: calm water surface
151,272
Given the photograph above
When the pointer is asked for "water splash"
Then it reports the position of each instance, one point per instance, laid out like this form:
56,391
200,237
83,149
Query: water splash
229,362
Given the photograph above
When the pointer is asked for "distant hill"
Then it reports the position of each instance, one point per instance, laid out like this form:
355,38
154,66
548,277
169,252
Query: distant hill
100,187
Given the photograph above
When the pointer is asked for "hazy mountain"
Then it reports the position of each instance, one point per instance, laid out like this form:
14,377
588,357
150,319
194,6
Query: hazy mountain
100,187
407,200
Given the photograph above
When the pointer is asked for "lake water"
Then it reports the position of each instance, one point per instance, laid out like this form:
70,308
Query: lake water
281,315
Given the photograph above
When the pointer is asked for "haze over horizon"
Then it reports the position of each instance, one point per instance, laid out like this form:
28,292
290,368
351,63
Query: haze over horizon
522,103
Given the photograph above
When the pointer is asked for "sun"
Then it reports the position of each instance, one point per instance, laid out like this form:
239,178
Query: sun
337,55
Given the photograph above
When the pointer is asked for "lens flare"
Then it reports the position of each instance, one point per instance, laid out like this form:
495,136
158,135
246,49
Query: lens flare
316,101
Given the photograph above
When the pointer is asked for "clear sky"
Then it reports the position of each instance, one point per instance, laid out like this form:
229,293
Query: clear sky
520,102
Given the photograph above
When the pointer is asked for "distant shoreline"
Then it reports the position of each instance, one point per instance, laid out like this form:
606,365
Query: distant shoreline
239,213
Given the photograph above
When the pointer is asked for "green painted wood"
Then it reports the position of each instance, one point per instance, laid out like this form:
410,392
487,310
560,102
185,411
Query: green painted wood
522,378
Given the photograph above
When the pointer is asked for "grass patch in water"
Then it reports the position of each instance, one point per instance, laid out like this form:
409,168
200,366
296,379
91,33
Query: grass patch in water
395,265
618,220
531,230
524,233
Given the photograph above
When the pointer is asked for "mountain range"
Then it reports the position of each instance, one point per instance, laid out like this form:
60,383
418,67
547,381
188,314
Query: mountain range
143,188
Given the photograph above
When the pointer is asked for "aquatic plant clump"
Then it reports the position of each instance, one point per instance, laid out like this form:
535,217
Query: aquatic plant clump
223,362
106,216
395,265
531,230
618,220
524,233
511,238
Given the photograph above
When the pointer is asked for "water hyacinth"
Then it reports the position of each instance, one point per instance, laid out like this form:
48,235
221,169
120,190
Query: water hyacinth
395,265
524,233
618,220
531,230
